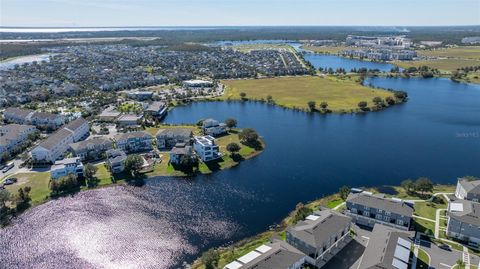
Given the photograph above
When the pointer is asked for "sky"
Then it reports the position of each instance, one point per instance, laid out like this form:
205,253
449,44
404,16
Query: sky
87,13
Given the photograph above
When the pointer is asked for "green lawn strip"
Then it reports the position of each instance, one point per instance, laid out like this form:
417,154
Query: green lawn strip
341,93
448,65
428,209
423,260
332,204
424,226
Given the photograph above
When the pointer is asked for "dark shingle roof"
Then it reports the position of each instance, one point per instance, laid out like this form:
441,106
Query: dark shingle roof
137,134
75,124
470,186
470,213
386,204
96,141
54,139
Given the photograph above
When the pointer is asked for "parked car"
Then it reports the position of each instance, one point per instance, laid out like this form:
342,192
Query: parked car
8,167
10,181
445,247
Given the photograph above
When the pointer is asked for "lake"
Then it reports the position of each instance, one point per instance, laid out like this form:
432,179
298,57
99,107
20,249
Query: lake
10,63
171,220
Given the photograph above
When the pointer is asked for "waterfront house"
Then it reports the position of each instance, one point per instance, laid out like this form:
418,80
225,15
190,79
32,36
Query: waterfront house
182,151
367,209
206,148
168,138
213,127
129,120
387,248
134,141
91,149
116,160
464,221
320,236
468,189
64,167
276,254
156,109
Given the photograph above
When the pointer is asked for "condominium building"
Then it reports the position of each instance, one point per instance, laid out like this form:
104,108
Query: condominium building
134,141
468,189
206,148
63,168
464,221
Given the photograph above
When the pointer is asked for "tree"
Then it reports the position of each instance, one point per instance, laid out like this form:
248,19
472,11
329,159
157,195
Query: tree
133,164
243,96
270,99
377,100
233,148
344,191
424,184
407,185
311,105
390,100
362,105
248,135
231,123
4,197
323,105
301,212
210,259
90,172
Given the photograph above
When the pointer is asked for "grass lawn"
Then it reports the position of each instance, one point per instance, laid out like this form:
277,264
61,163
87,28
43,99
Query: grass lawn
466,52
448,65
341,94
422,259
399,192
332,204
428,209
325,49
37,181
424,225
153,130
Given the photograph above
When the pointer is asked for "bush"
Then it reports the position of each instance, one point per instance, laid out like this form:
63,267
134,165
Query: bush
210,259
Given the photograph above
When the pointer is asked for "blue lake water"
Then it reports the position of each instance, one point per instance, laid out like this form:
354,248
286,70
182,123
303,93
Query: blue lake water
170,220
331,61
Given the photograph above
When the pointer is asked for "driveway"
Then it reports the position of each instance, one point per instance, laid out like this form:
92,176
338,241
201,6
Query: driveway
439,258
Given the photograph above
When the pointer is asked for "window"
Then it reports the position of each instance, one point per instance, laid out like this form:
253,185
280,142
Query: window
367,208
366,213
386,218
400,222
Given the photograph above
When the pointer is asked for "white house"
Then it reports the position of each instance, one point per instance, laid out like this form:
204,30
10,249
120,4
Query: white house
213,127
197,83
206,148
67,166
28,116
13,135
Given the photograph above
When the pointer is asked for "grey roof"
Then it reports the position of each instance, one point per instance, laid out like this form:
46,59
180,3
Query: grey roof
55,138
156,106
317,232
44,115
75,124
116,155
386,204
282,255
470,213
137,134
182,149
19,112
470,186
96,141
176,131
381,247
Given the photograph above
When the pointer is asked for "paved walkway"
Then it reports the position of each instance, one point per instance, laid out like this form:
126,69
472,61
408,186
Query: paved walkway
427,219
416,247
437,223
338,206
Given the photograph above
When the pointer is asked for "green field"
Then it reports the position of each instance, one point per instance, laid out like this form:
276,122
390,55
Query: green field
325,49
39,182
466,52
423,260
295,92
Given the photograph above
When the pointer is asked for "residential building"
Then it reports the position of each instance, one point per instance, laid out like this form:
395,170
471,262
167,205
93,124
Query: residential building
140,95
464,221
168,138
277,255
387,248
79,128
91,149
52,148
67,166
129,120
213,127
116,160
134,141
468,189
13,136
39,119
367,209
157,109
206,148
320,236
180,151
197,83
109,115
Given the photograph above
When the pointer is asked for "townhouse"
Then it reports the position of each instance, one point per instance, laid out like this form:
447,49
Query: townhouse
156,109
116,160
276,254
468,189
182,154
91,149
39,119
387,248
63,168
13,136
320,236
134,141
213,127
206,148
168,138
367,209
79,129
463,221
130,120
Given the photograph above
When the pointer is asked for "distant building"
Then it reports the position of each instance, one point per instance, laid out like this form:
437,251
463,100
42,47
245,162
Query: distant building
196,83
91,149
468,189
206,148
213,127
116,160
157,109
320,236
39,119
13,136
130,120
182,151
134,141
275,255
140,95
168,138
367,209
471,40
464,221
387,248
63,168
109,115
79,128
